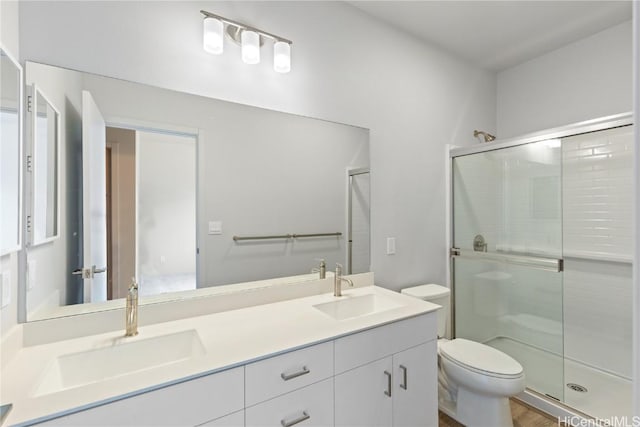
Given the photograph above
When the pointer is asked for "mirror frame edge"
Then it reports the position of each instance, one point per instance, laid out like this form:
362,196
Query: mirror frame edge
30,125
21,199
20,250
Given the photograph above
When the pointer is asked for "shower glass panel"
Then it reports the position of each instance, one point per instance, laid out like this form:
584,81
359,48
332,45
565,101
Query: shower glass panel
507,218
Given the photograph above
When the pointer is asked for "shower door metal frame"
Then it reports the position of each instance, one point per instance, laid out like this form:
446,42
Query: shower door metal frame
608,122
532,397
587,126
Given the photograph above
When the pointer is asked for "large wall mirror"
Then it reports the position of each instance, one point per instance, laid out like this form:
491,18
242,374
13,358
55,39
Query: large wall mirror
190,195
10,153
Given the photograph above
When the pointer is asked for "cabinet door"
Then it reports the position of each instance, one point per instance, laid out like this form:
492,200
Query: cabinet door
309,406
185,404
363,396
415,386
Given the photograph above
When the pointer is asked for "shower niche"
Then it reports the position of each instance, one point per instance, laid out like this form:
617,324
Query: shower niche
553,286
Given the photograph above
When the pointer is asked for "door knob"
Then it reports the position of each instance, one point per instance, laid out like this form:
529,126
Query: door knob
88,273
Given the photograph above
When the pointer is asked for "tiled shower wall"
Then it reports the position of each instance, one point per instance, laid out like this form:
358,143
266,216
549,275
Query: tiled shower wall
597,248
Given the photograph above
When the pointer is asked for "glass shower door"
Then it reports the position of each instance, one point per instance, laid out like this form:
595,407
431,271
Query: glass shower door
507,267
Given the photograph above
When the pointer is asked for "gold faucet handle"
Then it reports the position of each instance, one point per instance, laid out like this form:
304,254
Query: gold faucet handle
133,286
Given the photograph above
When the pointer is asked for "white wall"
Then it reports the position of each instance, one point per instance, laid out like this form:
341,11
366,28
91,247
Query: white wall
346,67
9,263
166,208
588,79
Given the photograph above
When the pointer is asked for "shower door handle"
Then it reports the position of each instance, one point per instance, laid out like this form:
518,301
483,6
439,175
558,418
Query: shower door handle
549,264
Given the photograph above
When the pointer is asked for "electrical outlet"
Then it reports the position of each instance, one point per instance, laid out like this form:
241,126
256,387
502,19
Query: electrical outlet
391,245
5,282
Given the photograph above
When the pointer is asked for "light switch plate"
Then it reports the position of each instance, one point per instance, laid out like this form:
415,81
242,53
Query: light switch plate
391,245
6,288
215,227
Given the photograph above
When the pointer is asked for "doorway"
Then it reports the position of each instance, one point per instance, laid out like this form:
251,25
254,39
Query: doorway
151,211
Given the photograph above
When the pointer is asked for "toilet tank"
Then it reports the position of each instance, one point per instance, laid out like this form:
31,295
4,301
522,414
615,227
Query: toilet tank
436,294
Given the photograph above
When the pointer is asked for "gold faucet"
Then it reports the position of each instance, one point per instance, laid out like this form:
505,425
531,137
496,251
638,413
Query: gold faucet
337,281
131,311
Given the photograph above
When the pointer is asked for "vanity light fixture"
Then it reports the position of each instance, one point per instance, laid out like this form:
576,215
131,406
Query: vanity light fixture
250,47
213,36
249,38
282,57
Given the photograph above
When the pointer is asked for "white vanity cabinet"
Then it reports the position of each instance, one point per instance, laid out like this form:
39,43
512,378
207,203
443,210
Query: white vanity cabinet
383,376
387,376
189,403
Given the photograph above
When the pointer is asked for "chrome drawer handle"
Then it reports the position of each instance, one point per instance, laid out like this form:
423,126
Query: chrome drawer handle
388,390
404,377
298,420
288,377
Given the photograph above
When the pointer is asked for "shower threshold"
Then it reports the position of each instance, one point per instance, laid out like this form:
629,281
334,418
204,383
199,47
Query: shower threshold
606,395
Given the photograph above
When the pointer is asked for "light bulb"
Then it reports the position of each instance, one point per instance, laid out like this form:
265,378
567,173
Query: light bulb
213,36
250,47
282,57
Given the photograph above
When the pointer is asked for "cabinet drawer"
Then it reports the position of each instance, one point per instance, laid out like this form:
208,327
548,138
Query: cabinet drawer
309,406
232,420
364,347
281,374
187,404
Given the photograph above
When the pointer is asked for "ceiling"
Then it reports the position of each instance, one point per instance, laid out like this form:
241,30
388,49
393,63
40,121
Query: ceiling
499,34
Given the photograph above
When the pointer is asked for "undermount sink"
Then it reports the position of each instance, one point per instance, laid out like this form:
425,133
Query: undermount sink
124,357
356,306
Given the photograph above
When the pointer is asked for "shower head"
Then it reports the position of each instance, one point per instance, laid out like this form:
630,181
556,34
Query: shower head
487,136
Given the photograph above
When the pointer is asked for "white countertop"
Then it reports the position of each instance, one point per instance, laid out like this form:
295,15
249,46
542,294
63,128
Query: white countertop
231,338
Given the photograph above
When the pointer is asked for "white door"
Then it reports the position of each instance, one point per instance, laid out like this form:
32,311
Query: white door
94,206
363,396
415,390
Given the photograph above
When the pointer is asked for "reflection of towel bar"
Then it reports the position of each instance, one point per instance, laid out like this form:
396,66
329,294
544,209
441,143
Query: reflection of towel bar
286,236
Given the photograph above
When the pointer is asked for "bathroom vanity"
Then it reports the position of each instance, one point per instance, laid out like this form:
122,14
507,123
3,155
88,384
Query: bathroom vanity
367,358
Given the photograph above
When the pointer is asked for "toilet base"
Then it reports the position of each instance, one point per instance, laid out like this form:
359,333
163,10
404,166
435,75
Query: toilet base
474,410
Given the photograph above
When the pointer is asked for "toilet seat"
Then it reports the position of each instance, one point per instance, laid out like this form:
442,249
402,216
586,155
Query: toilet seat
480,358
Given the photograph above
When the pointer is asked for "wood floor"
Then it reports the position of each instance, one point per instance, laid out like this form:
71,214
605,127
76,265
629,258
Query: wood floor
523,416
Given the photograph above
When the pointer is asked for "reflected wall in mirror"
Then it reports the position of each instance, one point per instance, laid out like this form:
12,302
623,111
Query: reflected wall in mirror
10,154
44,125
182,175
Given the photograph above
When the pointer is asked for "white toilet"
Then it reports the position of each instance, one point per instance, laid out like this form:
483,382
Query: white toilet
475,381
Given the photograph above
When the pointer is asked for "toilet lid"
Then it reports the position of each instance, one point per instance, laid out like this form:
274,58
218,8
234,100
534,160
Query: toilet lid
480,358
